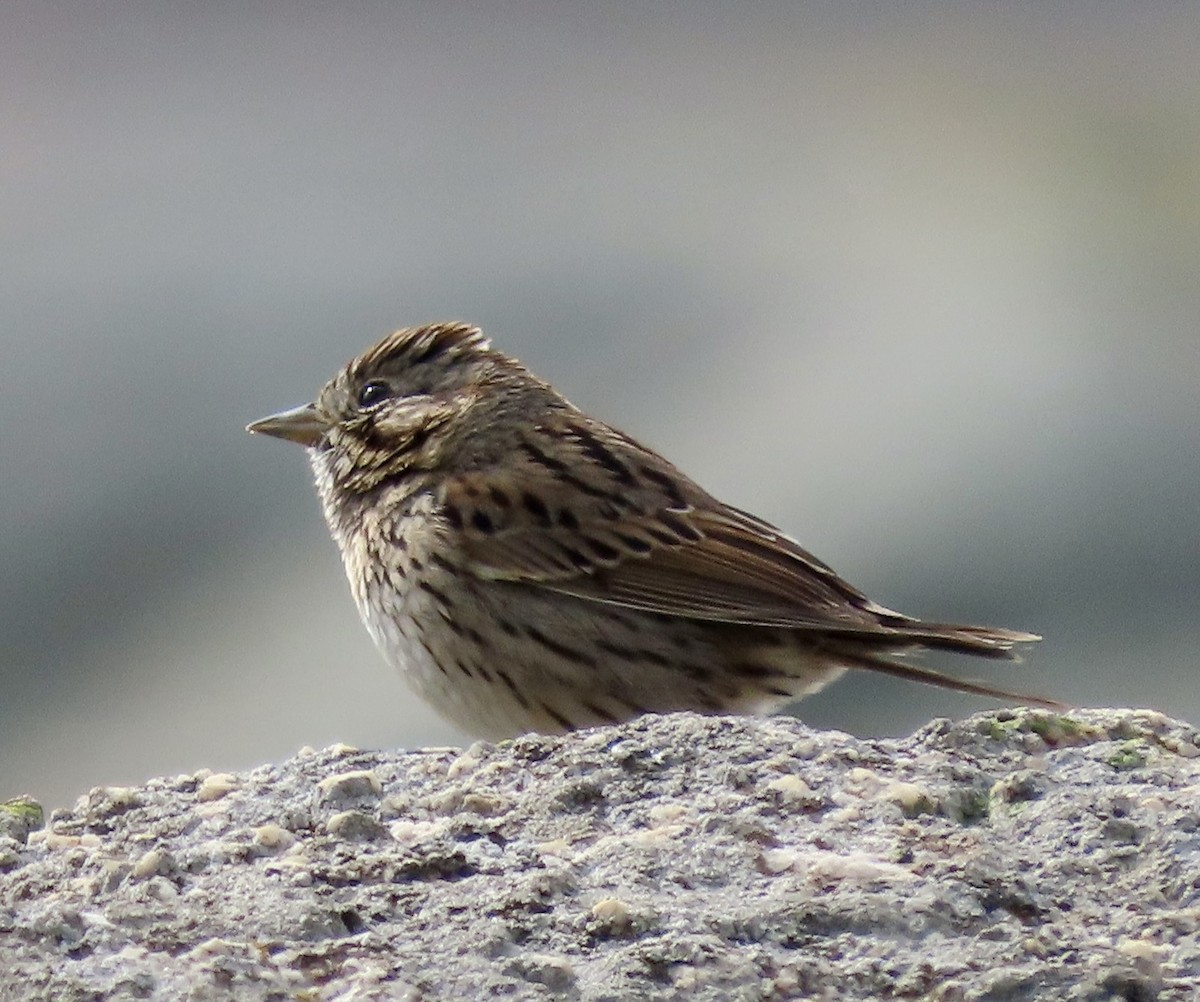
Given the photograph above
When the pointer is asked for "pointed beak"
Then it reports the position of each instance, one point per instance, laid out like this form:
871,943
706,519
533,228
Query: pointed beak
302,425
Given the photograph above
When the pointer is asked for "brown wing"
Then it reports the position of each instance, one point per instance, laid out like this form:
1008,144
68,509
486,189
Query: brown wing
728,569
598,516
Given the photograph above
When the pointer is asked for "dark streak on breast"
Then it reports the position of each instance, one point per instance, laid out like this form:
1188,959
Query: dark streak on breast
562,650
751,669
599,711
436,592
635,709
441,562
564,722
636,654
517,694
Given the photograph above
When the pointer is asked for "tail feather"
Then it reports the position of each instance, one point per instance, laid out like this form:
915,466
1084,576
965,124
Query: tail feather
916,673
980,641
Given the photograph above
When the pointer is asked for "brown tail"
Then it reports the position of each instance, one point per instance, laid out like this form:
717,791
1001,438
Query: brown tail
980,641
885,665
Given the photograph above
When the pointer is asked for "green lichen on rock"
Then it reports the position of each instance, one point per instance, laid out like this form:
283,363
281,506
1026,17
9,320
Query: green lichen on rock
968,806
20,816
1129,755
1055,729
1059,729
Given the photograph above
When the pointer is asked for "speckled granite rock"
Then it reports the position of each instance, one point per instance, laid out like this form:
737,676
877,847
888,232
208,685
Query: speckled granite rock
1015,855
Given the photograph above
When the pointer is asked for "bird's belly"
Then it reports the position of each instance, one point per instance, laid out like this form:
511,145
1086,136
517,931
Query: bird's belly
499,659
399,621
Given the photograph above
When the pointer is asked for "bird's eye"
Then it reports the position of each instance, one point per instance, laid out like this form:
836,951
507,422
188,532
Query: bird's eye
373,393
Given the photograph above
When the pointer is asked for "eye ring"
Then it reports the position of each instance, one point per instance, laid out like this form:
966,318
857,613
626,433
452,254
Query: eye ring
373,393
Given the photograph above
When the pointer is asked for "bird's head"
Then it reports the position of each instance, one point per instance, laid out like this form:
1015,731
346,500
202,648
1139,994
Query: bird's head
414,402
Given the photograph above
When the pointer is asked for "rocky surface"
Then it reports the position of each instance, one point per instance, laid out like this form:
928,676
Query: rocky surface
1015,855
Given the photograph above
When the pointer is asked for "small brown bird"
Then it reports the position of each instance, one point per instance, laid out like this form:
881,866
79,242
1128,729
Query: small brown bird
528,567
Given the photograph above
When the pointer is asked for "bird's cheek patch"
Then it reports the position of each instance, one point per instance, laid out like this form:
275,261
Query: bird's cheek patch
407,427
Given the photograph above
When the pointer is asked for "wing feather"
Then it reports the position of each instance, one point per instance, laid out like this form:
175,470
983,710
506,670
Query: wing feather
600,517
629,529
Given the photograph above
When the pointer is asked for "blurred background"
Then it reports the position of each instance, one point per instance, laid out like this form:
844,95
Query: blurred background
918,283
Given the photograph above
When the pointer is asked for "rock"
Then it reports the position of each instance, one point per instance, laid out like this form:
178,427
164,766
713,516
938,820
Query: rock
1017,855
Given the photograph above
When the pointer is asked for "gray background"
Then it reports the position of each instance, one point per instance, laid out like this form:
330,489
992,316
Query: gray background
919,284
